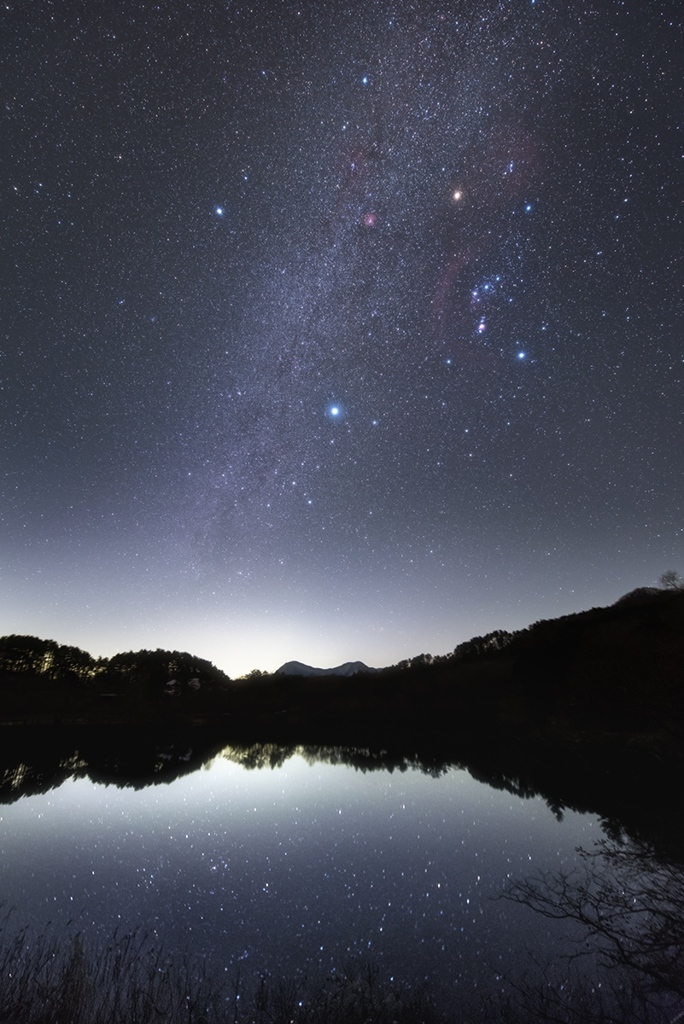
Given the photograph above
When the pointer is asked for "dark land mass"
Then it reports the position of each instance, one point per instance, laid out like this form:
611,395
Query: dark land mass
586,710
296,668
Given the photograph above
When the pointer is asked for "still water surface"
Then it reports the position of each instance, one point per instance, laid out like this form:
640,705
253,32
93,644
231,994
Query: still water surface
304,867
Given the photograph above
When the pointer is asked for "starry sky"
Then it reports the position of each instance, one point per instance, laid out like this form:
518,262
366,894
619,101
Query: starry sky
336,330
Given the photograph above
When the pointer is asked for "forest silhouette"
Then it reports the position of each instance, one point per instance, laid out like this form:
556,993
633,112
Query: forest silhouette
585,711
612,672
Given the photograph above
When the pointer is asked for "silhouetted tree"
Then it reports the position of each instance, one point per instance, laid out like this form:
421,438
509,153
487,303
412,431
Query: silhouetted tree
146,673
479,645
631,906
671,580
26,653
44,657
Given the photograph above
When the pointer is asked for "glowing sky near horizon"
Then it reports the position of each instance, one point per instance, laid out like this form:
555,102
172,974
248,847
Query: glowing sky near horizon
336,331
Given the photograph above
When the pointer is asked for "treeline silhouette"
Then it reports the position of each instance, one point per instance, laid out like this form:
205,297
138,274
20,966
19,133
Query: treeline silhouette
43,681
586,711
60,663
606,681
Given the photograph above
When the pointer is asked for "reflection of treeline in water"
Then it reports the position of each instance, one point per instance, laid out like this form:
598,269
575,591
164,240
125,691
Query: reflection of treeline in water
625,968
631,791
587,710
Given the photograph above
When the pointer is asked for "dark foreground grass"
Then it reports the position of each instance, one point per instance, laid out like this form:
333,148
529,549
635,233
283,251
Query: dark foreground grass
44,981
132,981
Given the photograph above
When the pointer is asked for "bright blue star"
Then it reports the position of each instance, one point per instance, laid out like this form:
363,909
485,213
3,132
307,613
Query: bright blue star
364,80
528,207
218,211
335,412
522,355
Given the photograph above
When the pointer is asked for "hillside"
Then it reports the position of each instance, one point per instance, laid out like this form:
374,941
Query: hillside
297,668
613,672
587,710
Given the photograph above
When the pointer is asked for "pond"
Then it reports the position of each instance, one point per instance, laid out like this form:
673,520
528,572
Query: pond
300,869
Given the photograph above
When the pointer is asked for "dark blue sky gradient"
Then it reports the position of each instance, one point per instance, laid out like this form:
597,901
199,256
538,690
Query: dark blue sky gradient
336,331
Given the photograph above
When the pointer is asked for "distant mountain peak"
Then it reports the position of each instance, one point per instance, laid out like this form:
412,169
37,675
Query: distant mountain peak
297,668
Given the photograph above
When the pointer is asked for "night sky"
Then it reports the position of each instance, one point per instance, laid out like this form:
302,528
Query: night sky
336,330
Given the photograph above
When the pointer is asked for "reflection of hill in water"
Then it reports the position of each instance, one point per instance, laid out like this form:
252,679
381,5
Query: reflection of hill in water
630,792
35,759
627,894
586,711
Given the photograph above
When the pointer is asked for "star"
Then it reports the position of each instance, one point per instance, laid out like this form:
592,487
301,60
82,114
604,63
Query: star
371,270
336,412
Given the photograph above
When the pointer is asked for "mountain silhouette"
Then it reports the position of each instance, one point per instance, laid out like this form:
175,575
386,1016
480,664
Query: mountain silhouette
297,668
